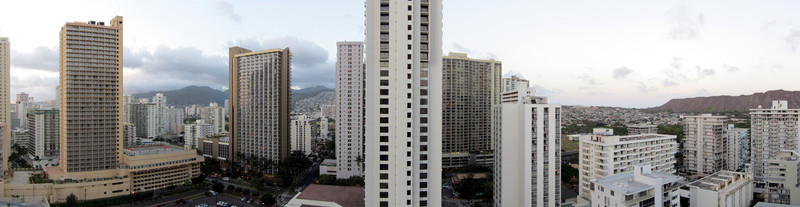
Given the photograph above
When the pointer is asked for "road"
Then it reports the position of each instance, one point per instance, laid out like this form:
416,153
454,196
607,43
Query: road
194,198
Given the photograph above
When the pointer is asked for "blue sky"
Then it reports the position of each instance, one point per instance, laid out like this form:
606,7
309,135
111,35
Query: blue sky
613,53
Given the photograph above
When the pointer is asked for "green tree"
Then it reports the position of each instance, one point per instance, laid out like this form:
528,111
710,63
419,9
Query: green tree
199,179
72,200
230,188
218,187
567,173
268,200
246,191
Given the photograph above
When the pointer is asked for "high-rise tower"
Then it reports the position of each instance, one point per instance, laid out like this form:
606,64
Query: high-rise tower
403,102
349,109
90,95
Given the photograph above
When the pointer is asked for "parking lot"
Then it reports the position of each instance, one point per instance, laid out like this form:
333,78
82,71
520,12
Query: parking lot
210,201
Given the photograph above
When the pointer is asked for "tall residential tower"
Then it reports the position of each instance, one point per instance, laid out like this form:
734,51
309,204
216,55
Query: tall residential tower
349,109
90,96
259,96
706,144
404,103
772,130
5,75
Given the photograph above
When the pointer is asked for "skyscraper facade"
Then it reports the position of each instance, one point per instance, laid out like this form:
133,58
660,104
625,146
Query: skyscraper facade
259,97
470,88
43,133
90,95
772,130
5,75
706,145
349,109
403,103
527,153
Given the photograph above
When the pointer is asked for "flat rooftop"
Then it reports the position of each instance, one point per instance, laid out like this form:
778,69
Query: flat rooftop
343,195
716,181
627,184
151,149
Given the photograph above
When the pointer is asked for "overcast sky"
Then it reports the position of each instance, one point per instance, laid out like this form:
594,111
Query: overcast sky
611,53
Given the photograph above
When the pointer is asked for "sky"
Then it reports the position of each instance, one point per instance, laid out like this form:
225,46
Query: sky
605,53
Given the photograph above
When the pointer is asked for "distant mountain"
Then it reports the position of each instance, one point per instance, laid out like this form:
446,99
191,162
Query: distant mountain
730,103
203,95
200,95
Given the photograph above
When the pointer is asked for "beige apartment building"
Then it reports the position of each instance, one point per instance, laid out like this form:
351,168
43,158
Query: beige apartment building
259,96
783,179
5,75
706,144
470,88
90,96
605,155
722,189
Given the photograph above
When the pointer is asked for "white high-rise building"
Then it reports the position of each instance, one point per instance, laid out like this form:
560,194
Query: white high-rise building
403,103
527,151
160,100
706,144
323,128
604,155
349,112
214,115
192,132
145,117
5,88
739,147
301,134
510,84
642,187
772,130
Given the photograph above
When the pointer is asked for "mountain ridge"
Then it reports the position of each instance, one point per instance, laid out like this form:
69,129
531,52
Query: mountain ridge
726,103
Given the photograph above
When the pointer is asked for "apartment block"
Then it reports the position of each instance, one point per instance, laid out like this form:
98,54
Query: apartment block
722,189
193,132
772,130
706,144
90,95
349,109
301,134
128,134
214,115
642,187
403,129
260,102
527,151
146,118
5,75
43,133
783,178
738,148
605,155
510,84
642,129
470,88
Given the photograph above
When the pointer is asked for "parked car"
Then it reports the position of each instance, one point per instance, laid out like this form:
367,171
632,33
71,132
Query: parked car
226,179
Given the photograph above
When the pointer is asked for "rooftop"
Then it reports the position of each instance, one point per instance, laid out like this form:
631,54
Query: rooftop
151,149
343,195
329,162
718,181
630,182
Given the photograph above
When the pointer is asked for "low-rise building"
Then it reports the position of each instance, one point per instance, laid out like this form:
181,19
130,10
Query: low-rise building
328,167
642,129
722,189
642,187
783,178
159,166
215,147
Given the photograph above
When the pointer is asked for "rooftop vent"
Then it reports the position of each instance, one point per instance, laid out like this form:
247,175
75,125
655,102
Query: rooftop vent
101,23
91,22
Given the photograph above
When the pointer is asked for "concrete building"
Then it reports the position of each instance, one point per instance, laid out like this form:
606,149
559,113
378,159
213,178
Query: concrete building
160,100
527,153
146,118
218,148
301,134
5,75
22,105
738,147
783,179
642,187
349,113
43,133
323,128
722,189
20,137
90,96
259,96
159,166
602,156
328,167
706,144
404,103
174,120
772,130
214,115
470,88
193,132
510,84
642,129
227,107
128,134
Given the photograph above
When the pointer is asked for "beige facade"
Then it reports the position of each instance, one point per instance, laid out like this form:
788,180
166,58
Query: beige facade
5,75
259,94
706,144
90,96
301,134
160,166
722,189
215,147
470,88
783,182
